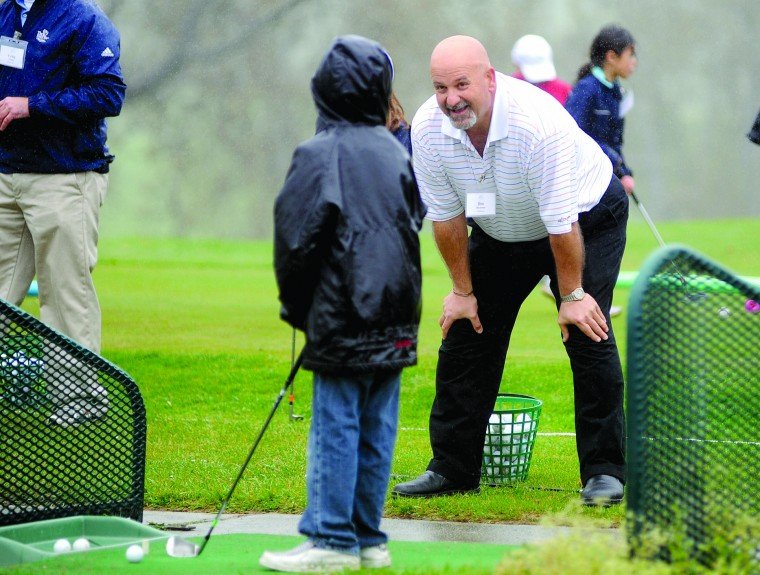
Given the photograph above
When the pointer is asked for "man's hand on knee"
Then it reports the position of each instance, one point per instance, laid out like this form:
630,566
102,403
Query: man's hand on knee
586,315
459,306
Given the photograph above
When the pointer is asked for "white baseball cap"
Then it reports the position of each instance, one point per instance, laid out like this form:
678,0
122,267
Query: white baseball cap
533,55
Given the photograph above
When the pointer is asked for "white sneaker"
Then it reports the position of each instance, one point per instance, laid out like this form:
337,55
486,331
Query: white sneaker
306,558
375,557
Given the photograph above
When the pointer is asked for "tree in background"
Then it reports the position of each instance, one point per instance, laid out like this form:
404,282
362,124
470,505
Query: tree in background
218,97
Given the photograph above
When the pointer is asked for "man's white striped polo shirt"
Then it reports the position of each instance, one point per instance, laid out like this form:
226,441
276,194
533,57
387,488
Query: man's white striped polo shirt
544,169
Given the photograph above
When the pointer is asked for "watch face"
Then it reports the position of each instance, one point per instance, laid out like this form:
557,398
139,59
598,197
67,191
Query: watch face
576,295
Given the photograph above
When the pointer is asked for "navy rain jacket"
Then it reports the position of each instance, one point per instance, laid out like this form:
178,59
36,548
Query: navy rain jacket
347,255
596,110
73,81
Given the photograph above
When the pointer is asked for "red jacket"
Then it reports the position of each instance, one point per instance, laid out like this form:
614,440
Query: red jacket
557,88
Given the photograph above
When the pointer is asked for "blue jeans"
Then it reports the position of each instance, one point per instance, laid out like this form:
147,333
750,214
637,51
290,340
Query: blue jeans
351,440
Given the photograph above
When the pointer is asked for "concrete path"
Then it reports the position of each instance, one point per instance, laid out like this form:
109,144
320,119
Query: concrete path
397,529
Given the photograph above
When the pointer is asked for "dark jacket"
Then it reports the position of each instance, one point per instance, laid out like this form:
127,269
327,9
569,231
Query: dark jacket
754,133
596,110
73,81
347,220
404,135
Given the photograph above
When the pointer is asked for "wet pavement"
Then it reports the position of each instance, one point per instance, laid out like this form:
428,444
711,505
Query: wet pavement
397,529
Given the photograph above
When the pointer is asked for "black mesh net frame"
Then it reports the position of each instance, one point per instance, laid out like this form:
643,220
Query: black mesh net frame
693,407
50,470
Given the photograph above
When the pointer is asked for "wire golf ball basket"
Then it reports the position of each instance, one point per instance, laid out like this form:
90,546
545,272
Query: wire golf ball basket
510,437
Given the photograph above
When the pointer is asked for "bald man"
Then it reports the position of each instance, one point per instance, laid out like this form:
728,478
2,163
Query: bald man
542,199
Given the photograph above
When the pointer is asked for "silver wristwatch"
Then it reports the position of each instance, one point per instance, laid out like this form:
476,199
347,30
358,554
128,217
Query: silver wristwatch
576,295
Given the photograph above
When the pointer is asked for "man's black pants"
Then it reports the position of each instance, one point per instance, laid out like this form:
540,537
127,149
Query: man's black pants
470,365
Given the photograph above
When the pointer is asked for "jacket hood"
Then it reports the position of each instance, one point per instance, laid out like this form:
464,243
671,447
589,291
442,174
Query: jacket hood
353,82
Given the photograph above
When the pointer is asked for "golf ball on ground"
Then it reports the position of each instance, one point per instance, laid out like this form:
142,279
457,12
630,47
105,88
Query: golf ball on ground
724,312
81,544
134,553
62,546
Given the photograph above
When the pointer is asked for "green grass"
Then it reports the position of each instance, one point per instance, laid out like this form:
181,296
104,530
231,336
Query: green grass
196,324
239,554
584,551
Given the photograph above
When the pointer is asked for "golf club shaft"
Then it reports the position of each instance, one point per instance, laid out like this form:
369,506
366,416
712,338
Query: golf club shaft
293,370
657,235
292,398
648,220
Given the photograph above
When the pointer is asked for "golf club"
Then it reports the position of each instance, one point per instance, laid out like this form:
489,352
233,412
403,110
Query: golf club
691,296
292,396
648,220
181,547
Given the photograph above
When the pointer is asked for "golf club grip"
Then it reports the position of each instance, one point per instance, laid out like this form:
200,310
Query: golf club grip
288,382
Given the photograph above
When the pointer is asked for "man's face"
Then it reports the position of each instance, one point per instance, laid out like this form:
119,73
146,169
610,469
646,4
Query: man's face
464,93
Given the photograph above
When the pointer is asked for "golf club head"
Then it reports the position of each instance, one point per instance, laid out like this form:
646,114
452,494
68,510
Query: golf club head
180,547
294,416
695,297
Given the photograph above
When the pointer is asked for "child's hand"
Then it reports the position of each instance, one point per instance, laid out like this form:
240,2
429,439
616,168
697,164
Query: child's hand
628,184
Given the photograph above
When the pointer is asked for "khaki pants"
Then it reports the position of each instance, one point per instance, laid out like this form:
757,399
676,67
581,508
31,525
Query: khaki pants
49,227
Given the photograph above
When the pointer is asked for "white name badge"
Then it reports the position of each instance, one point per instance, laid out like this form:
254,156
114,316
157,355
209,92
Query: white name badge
480,203
12,52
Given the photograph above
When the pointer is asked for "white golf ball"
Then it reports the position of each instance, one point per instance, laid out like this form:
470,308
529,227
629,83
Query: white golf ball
81,544
134,554
724,312
62,546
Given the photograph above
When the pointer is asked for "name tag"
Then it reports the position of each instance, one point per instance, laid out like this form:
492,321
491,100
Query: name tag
480,204
12,52
481,199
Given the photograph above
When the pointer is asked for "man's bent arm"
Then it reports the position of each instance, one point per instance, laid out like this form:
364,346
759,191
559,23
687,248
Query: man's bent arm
585,314
568,259
452,241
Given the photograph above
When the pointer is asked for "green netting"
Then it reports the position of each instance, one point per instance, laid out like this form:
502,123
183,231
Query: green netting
693,407
509,439
72,425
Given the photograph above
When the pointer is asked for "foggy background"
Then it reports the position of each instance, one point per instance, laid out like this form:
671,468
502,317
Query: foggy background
218,97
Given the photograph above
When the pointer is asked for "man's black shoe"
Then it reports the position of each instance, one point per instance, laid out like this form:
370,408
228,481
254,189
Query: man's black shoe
602,490
431,484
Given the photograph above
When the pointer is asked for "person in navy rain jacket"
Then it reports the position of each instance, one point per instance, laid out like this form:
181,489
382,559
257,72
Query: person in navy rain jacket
598,102
398,124
59,79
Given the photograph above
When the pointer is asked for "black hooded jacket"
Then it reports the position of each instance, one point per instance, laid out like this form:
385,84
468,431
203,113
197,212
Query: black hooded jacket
347,219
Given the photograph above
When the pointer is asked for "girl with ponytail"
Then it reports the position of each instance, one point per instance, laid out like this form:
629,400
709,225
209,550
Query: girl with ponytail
599,103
